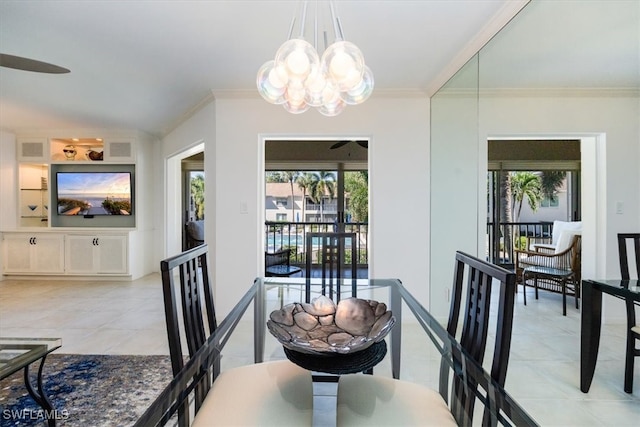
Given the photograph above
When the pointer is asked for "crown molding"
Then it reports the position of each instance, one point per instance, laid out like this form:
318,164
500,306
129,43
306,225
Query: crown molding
585,92
209,98
377,93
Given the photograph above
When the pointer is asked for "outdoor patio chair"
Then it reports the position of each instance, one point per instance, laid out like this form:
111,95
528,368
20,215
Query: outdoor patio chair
278,264
395,402
549,244
195,233
564,260
628,258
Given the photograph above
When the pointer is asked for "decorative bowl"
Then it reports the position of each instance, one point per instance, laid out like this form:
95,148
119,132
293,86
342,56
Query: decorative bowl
324,328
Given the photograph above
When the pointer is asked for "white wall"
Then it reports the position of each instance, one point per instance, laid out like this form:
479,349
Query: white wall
198,129
399,179
8,183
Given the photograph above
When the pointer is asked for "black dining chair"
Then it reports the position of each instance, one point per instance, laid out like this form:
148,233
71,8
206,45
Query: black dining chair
277,392
397,402
633,329
331,257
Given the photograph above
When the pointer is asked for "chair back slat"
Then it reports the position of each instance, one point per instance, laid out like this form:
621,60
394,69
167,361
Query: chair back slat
332,258
481,276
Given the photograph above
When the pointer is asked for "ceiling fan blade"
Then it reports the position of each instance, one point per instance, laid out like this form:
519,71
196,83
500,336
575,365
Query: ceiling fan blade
338,145
26,64
363,144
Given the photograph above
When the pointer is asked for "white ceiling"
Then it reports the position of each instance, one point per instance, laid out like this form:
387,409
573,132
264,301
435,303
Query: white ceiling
142,64
145,64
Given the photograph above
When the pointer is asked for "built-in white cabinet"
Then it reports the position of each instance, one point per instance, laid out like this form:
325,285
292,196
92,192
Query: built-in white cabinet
33,253
67,254
76,166
96,254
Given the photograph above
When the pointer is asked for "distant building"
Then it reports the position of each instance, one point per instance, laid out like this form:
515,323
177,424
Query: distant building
279,206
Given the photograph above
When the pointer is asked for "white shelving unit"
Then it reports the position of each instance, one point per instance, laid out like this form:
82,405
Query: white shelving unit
43,242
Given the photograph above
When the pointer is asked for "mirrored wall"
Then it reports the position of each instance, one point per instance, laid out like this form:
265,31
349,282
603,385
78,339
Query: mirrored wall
559,69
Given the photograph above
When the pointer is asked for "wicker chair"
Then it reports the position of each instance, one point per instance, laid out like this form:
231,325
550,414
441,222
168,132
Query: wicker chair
278,264
567,261
195,233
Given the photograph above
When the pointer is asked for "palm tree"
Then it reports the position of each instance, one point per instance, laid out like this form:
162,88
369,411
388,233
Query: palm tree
290,177
525,185
197,193
305,182
505,210
550,182
323,184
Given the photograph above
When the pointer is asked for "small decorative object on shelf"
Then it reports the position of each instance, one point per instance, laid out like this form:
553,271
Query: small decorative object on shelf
43,183
70,152
324,328
94,155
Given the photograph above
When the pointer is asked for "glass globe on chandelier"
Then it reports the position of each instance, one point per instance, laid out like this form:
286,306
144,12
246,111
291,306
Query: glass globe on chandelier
298,78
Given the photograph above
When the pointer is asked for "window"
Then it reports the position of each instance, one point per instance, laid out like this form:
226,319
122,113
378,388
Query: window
281,202
549,203
281,217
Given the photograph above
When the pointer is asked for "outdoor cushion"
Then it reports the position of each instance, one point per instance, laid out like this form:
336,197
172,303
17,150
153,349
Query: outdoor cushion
564,240
560,226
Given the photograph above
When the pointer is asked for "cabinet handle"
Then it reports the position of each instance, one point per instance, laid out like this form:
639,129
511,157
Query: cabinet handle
32,241
95,242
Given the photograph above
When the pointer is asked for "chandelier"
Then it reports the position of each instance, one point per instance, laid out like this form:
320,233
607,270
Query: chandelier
300,78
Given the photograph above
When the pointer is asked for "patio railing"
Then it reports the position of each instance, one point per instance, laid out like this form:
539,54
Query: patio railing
293,235
279,235
508,236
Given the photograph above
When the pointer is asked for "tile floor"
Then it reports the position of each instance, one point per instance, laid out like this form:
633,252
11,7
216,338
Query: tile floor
104,317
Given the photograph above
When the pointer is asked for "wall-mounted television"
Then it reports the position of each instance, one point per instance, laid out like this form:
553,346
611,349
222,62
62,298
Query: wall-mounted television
91,194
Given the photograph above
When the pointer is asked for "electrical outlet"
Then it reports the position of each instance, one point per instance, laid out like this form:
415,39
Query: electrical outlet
619,208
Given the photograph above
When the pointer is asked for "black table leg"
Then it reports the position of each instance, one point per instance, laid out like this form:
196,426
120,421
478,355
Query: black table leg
564,297
589,333
39,395
396,332
259,323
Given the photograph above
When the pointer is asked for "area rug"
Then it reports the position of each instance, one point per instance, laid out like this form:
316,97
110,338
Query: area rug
87,390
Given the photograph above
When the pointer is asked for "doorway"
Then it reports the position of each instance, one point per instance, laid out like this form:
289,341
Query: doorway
175,196
315,186
531,183
193,206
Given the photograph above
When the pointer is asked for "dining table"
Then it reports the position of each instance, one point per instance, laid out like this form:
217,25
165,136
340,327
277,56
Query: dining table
591,319
439,360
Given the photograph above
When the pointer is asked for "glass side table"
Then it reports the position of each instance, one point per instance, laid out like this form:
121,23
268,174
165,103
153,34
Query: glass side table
19,353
